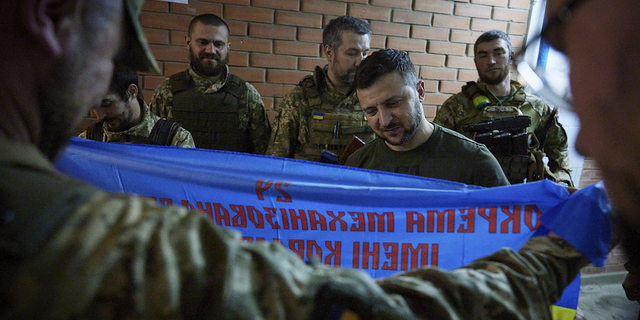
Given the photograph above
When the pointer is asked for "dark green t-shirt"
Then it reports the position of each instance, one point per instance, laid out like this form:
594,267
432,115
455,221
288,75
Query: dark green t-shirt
446,155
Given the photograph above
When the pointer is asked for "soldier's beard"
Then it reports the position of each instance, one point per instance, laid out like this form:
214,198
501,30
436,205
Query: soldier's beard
497,79
208,68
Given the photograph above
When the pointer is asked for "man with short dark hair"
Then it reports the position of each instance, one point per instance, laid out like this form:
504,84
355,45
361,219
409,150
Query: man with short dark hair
519,144
391,95
123,116
318,118
221,111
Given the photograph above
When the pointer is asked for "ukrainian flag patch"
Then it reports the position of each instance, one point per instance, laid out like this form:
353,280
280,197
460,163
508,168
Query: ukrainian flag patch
318,115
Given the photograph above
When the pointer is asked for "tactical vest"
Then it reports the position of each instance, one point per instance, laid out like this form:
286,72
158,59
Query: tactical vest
507,147
162,133
331,126
212,119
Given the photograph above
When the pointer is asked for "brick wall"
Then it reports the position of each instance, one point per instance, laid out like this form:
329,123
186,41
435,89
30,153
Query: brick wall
274,43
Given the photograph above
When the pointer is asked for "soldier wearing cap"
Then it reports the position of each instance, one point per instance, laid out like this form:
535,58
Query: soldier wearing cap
70,251
222,111
321,114
124,117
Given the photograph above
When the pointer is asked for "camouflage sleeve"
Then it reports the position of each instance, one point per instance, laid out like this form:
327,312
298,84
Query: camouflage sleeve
145,261
447,115
259,126
556,147
286,127
162,100
183,139
83,135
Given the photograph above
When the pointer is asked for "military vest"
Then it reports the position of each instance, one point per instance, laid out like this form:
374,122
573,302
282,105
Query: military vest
519,154
213,119
162,133
331,126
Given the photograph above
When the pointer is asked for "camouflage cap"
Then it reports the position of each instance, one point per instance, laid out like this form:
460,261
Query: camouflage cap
137,54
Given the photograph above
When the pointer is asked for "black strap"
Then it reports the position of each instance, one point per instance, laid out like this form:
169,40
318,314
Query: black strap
95,132
163,132
550,121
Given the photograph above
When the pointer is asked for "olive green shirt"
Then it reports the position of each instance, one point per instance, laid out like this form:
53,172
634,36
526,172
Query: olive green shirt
69,251
255,122
446,155
140,132
458,110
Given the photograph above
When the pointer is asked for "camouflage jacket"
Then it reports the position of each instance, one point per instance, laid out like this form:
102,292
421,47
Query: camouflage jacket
458,110
69,251
293,129
140,132
256,121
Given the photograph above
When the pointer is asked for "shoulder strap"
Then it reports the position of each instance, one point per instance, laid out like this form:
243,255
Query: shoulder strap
179,81
547,126
95,132
311,87
163,132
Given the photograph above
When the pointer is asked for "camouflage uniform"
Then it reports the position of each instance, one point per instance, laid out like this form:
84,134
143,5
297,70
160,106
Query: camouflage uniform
140,132
256,123
458,110
306,120
69,251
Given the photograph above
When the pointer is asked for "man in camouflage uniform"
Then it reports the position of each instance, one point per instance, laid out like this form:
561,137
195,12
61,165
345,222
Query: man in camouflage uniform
222,111
70,251
123,116
507,98
322,113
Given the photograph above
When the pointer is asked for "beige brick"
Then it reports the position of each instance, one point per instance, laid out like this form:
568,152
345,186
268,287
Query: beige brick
510,15
238,2
467,75
268,104
369,12
170,53
272,89
464,36
426,59
406,44
519,4
460,62
299,19
486,25
178,38
451,22
273,61
309,35
296,48
195,8
293,5
390,29
495,3
436,99
164,21
446,48
396,4
248,14
240,59
430,33
451,87
470,10
434,6
437,73
237,28
324,7
309,64
249,74
171,68
270,31
412,17
250,44
156,36
155,6
431,85
286,77
517,28
378,42
429,112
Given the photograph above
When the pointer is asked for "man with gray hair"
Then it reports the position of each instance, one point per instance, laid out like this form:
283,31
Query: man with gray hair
318,118
391,95
526,128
